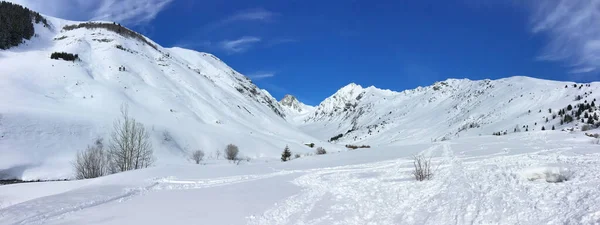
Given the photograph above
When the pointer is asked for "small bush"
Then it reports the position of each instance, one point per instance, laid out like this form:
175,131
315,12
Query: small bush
297,156
321,151
231,152
130,147
91,163
312,145
286,155
197,156
422,170
586,127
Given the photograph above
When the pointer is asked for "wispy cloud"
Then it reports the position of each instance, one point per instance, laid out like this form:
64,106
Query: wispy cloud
261,75
248,15
130,12
239,45
572,28
258,14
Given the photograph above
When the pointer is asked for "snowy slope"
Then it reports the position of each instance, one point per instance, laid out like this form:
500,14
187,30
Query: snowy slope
445,110
477,180
188,100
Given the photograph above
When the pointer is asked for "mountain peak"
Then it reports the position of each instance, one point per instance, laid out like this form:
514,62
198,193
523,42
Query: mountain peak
351,87
288,99
292,103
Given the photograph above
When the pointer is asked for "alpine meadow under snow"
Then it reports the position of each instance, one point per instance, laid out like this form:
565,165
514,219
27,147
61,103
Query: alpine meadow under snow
517,150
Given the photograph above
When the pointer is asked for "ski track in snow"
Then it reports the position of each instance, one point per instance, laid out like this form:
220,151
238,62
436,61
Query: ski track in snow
58,209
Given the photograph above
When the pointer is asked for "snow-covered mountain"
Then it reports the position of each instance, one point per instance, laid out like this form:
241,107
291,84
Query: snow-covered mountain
294,106
51,108
448,110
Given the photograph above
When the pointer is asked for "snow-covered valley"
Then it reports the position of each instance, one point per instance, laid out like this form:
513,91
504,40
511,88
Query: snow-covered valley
478,180
503,151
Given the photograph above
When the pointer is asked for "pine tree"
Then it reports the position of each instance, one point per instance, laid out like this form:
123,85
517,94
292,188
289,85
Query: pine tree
552,127
543,128
568,119
569,107
286,155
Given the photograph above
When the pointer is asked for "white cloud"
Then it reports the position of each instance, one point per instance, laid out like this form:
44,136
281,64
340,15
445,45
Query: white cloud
258,14
261,75
130,12
249,15
239,45
573,31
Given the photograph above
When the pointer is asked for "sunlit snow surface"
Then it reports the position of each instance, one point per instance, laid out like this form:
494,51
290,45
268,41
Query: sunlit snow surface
479,180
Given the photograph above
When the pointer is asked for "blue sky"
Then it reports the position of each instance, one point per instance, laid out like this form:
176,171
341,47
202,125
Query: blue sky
312,48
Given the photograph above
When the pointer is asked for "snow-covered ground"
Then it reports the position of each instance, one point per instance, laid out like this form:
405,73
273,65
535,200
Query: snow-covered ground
477,180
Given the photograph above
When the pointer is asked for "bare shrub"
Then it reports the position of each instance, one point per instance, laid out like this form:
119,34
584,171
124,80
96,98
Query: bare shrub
321,151
297,156
422,169
231,152
197,156
92,162
130,146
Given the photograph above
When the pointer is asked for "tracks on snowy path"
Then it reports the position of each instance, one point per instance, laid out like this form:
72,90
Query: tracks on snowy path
56,207
484,191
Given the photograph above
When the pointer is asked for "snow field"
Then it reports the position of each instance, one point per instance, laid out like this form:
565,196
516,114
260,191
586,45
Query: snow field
478,180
